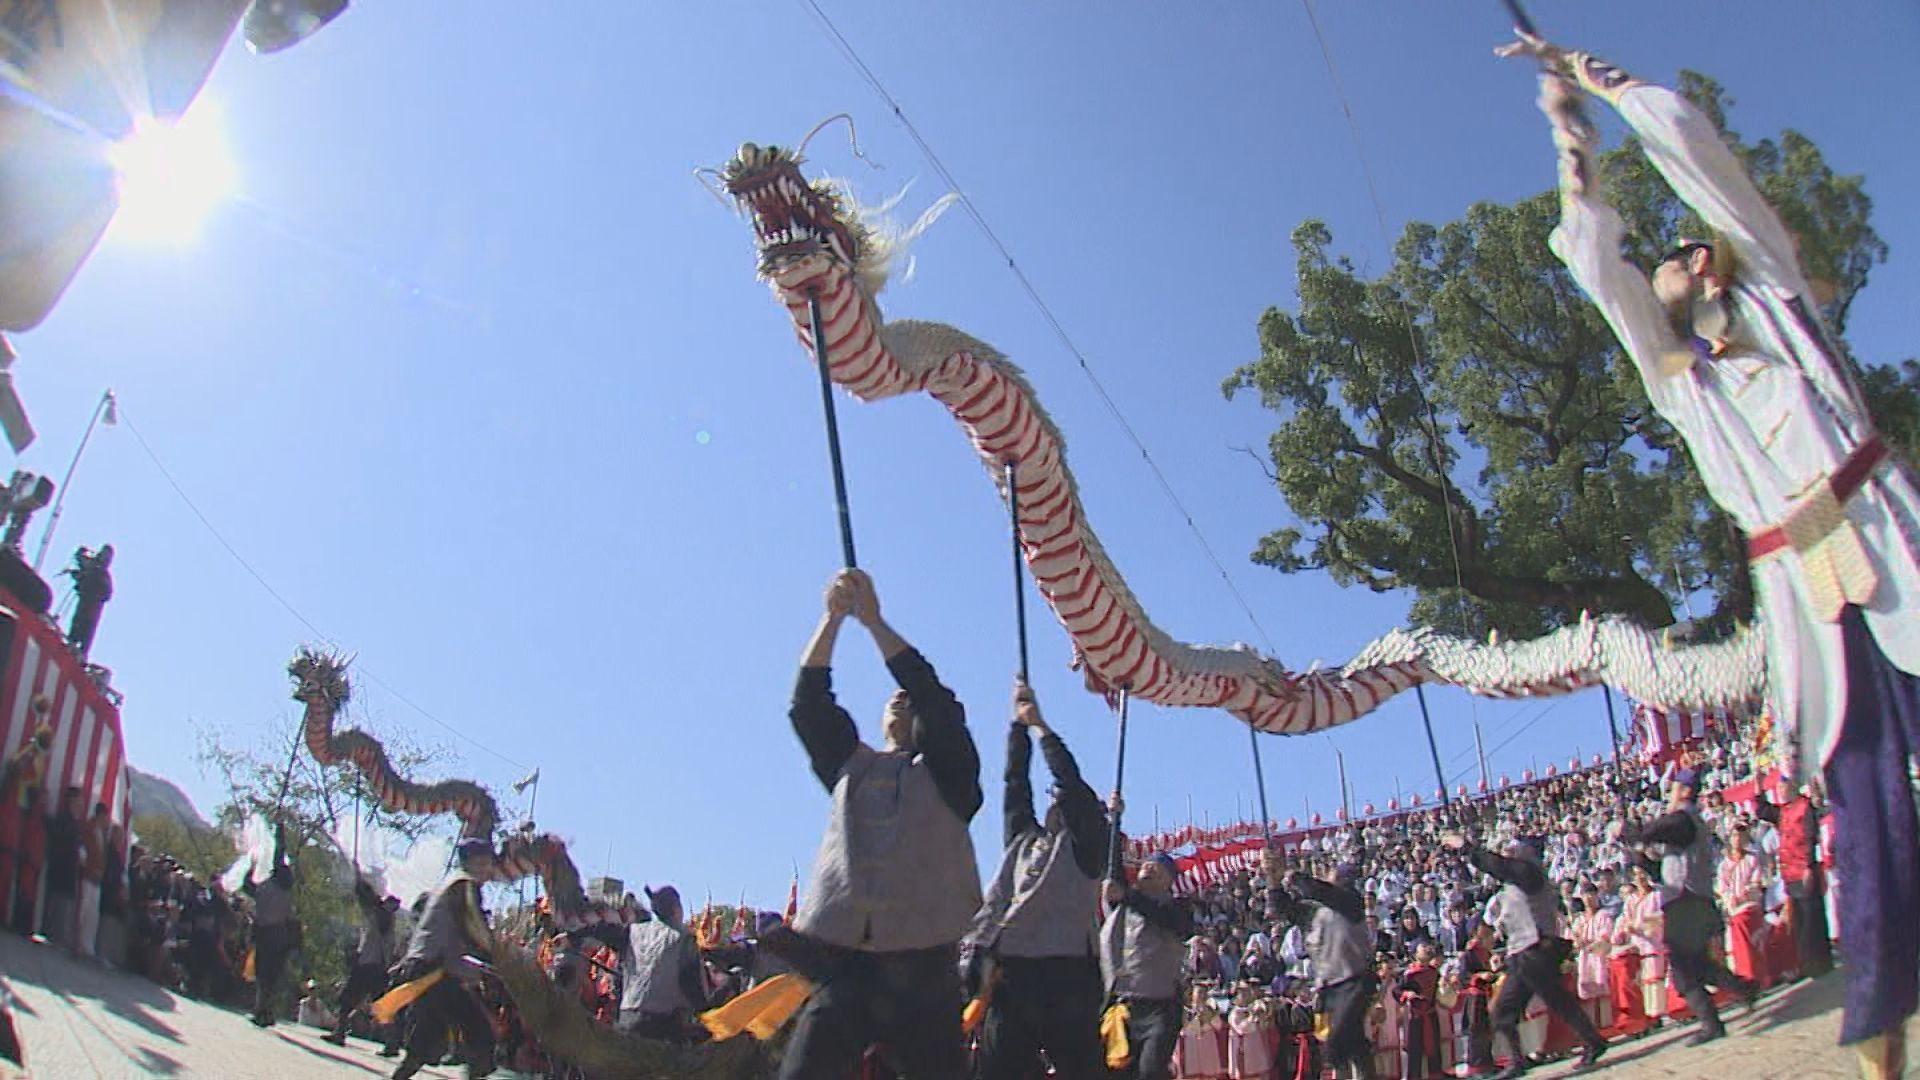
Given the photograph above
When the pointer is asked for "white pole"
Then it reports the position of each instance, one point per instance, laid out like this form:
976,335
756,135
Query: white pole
60,494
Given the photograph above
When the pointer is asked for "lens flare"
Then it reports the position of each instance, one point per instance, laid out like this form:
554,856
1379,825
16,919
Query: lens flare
171,177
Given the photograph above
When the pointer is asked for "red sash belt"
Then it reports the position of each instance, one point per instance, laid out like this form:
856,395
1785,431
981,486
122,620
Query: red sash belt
1846,482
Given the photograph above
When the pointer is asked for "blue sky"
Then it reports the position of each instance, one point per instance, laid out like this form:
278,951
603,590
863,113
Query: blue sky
478,377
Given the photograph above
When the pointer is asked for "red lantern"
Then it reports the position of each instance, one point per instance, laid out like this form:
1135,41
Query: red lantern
1527,777
1293,823
1416,799
1369,810
1439,794
1394,803
1552,769
1481,787
1598,761
1461,791
1317,818
1573,764
1505,780
1340,814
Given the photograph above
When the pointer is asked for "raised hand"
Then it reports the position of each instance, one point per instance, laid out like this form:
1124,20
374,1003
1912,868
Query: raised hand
1525,46
1026,710
866,600
841,595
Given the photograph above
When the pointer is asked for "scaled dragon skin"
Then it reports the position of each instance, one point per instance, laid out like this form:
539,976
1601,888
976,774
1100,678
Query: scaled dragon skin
320,683
813,244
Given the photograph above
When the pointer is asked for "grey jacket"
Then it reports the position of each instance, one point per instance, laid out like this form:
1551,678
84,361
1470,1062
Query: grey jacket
895,870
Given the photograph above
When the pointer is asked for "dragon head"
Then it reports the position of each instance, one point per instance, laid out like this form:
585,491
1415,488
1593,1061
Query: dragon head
796,220
319,678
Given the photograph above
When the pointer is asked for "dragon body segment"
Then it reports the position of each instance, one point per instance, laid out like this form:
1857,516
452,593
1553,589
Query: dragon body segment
320,684
814,246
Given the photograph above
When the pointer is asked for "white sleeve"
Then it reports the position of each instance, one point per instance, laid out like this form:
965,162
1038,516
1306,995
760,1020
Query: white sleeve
1587,240
1683,144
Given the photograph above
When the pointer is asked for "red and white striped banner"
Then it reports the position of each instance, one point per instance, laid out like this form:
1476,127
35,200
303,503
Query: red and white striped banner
1661,734
87,751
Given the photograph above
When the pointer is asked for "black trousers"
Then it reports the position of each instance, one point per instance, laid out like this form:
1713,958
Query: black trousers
271,946
1812,940
908,1002
364,982
1346,1004
1153,1030
1048,1003
1692,924
447,1005
1537,971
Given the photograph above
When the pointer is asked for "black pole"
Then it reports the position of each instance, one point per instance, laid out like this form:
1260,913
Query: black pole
1116,868
1613,726
1520,21
1019,566
1420,692
833,431
1260,782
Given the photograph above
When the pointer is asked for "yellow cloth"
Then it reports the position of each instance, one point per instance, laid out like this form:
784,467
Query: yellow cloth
405,994
1322,1026
246,969
1113,1035
761,1011
973,1014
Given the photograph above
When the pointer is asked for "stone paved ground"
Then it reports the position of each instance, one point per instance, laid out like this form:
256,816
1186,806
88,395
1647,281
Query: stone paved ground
80,1021
1789,1037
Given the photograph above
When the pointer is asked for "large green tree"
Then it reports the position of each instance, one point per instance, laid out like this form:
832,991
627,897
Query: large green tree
1465,425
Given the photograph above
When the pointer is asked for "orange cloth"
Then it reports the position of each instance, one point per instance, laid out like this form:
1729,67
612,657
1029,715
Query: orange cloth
761,1011
405,994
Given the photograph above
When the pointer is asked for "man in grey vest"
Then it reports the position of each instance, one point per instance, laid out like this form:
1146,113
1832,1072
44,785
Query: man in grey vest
1036,928
1526,912
367,977
1341,953
661,986
1143,945
894,885
1692,921
450,931
272,928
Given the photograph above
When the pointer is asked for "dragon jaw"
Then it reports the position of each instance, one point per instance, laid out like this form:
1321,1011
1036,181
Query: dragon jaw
794,219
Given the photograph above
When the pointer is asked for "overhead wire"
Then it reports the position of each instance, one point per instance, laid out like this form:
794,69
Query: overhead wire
973,211
280,598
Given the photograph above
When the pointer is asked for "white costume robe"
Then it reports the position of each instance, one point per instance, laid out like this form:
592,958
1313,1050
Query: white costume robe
1768,421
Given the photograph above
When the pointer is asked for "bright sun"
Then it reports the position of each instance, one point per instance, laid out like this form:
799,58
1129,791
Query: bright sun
171,176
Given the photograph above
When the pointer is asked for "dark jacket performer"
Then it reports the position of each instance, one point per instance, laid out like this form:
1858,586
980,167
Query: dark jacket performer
1031,949
1142,950
894,884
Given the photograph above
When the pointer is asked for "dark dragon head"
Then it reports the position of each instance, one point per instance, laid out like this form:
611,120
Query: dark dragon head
795,220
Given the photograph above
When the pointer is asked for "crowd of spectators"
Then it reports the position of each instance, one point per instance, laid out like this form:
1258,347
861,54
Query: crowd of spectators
1251,1008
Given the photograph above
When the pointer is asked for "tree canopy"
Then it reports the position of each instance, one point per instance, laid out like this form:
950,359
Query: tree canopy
1465,425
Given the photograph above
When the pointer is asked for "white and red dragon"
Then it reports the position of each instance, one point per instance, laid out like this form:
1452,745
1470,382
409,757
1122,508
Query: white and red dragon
813,244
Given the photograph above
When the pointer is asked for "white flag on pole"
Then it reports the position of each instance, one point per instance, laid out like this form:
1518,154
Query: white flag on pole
526,782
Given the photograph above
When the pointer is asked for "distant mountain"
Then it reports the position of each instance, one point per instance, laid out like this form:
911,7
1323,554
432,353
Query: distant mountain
152,794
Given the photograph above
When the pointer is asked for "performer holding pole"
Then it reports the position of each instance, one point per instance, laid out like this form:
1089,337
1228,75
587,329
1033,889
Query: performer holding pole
1035,929
1142,948
1341,952
440,964
1691,921
895,884
1526,913
1734,355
